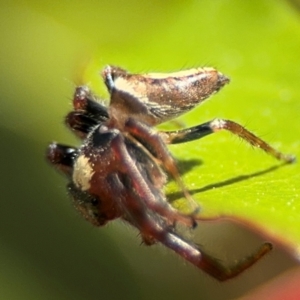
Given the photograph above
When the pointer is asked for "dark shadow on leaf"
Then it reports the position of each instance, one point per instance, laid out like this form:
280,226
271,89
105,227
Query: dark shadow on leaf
186,166
177,195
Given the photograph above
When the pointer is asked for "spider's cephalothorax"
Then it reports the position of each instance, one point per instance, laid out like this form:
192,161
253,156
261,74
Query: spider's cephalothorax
120,169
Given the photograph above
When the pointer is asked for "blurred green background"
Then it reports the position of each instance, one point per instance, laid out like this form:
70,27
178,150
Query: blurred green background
46,250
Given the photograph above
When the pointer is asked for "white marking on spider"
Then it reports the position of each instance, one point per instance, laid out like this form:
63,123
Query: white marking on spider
184,73
137,91
217,124
83,172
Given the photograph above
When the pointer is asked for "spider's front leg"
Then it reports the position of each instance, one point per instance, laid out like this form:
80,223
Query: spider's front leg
153,142
146,193
202,130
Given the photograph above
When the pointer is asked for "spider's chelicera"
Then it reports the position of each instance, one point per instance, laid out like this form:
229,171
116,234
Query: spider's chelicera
120,169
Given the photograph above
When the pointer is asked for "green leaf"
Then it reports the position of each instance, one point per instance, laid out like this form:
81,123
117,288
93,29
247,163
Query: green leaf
255,43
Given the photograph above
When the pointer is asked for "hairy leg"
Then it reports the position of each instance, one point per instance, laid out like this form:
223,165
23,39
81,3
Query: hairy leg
144,194
150,139
202,130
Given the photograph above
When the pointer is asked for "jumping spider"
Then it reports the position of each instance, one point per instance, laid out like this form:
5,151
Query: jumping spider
120,169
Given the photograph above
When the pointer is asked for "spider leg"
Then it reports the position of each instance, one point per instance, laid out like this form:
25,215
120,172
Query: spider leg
88,112
80,123
187,134
153,229
140,187
197,132
155,144
84,100
204,261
